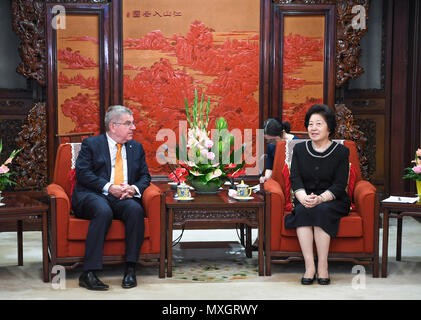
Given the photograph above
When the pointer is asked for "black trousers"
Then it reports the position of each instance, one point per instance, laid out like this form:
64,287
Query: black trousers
101,210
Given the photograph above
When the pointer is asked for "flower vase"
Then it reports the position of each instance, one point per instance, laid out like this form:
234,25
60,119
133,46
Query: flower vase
205,188
418,182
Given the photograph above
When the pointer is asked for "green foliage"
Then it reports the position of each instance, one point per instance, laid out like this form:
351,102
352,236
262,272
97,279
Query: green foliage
412,175
5,176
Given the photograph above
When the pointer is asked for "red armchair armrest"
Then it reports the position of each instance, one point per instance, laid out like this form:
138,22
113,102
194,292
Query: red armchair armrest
364,197
151,201
277,202
62,212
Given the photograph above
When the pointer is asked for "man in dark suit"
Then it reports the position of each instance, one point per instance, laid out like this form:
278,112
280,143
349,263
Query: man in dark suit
111,174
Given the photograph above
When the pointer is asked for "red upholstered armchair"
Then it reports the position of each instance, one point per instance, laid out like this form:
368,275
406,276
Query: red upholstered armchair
68,234
357,238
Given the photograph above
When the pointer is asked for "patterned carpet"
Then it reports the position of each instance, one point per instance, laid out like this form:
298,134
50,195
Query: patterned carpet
209,270
228,263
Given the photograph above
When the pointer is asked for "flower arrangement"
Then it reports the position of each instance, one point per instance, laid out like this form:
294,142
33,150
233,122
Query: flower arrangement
206,163
414,173
5,172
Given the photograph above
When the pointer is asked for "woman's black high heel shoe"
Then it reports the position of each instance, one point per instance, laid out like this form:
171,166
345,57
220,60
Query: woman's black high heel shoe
307,281
323,281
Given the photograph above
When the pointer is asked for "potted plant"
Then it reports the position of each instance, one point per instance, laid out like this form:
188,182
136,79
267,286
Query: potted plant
5,172
414,173
205,163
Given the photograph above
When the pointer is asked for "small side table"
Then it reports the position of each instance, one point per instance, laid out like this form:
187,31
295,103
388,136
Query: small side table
395,210
20,206
212,209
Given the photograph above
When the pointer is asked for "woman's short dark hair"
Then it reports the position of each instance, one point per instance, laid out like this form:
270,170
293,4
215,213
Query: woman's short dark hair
326,112
274,127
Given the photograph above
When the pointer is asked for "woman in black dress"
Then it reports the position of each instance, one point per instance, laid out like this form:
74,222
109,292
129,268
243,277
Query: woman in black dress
319,175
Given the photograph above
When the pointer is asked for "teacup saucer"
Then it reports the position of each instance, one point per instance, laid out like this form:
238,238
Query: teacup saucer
184,199
243,198
227,183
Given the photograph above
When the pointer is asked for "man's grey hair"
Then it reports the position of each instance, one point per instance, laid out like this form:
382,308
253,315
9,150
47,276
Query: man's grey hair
114,114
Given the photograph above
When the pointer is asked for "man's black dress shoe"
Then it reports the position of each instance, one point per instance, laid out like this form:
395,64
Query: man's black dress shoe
129,279
307,281
90,281
323,281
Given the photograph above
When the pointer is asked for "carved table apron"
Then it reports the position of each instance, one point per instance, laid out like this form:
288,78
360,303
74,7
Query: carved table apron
214,209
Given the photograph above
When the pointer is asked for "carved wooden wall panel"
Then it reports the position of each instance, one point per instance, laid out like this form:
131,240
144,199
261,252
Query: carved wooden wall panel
369,127
349,130
28,23
368,109
32,160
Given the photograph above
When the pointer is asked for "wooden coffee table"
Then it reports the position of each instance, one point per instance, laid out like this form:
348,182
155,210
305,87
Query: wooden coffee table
216,209
20,206
398,211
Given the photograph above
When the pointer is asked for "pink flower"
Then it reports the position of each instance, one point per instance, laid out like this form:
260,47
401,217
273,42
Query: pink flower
8,160
417,169
4,169
208,143
204,153
211,155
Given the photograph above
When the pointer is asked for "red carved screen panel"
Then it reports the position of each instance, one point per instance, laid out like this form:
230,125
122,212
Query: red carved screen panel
172,47
78,90
302,78
304,60
78,77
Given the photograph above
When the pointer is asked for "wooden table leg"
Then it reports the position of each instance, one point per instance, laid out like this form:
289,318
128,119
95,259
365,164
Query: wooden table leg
399,240
261,236
169,242
385,242
45,248
376,236
268,260
163,237
248,242
243,243
20,243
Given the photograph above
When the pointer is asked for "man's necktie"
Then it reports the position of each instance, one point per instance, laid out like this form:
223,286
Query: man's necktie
118,174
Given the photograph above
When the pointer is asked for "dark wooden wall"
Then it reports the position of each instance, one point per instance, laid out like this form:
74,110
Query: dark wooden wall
403,95
390,115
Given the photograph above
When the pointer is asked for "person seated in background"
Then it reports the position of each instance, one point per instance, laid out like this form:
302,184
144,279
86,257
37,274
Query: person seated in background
274,131
319,176
111,175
